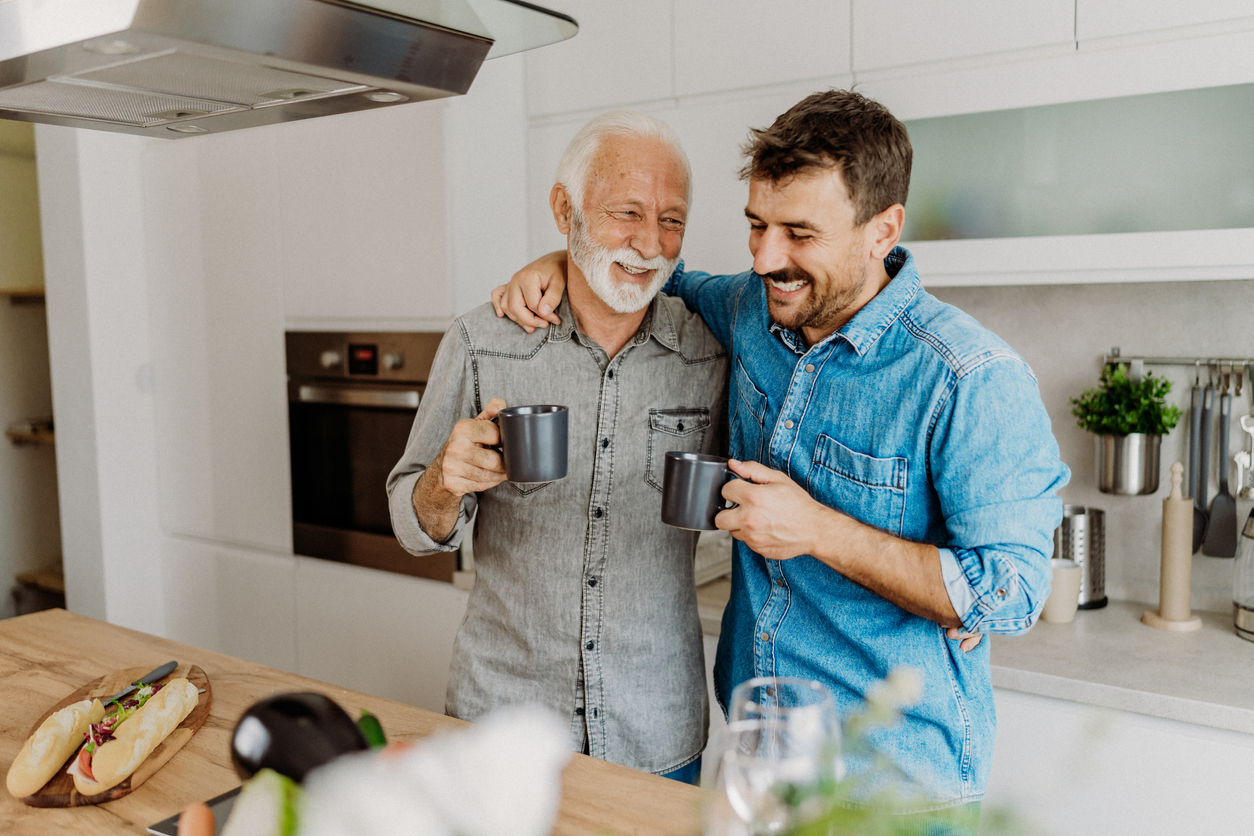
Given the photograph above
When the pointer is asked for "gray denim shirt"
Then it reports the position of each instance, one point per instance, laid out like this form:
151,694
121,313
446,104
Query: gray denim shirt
580,575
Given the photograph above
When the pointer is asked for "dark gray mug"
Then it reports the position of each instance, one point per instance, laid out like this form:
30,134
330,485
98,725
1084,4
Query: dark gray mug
533,442
692,490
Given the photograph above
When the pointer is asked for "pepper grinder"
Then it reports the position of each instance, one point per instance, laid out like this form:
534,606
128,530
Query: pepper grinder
1175,586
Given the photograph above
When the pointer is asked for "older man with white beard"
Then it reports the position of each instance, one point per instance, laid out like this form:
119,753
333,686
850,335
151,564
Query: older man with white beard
583,600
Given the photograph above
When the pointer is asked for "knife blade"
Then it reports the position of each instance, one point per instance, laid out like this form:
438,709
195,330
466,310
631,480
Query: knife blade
148,678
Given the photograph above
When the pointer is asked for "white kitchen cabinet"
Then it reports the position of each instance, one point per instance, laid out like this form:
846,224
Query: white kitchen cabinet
361,209
211,225
621,56
893,33
235,601
1063,768
385,634
1111,18
739,44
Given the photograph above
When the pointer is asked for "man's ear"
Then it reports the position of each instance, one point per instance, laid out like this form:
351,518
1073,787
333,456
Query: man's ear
886,227
559,202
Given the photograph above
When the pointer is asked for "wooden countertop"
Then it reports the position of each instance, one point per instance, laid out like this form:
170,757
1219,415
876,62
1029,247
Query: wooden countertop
47,655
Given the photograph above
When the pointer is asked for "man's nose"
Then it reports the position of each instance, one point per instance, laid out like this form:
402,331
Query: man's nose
771,253
647,241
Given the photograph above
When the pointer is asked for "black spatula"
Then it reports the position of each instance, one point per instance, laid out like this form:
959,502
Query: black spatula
1221,530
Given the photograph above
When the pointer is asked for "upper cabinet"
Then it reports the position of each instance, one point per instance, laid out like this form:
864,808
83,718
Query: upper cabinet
897,33
362,218
621,56
742,44
1111,18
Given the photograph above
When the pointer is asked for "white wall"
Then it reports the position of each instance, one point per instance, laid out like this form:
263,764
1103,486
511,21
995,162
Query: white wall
91,205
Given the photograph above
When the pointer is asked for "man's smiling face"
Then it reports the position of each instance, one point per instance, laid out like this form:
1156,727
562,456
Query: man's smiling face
627,238
814,260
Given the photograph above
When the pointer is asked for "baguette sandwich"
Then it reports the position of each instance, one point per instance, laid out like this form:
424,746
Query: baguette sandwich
120,742
51,746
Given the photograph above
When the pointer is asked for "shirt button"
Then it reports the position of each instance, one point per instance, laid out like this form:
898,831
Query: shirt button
590,645
595,713
605,442
598,513
766,637
1001,593
779,582
592,581
611,374
579,711
809,367
788,425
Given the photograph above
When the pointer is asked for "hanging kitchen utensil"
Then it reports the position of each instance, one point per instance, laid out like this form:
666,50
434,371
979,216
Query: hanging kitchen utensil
1221,530
1203,449
1247,424
1195,437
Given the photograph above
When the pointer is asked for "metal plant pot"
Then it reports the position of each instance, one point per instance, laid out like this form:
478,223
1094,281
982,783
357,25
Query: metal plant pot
1128,464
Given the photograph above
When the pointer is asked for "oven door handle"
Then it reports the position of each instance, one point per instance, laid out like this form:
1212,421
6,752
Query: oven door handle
395,398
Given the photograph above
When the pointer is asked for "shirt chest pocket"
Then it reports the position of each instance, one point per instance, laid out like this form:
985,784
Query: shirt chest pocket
869,489
682,429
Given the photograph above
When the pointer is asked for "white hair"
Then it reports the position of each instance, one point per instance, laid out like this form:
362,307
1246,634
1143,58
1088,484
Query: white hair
576,163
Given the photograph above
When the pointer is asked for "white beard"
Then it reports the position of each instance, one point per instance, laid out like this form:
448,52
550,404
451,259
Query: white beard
595,262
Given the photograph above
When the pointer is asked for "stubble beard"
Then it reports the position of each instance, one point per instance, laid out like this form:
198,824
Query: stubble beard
818,312
596,261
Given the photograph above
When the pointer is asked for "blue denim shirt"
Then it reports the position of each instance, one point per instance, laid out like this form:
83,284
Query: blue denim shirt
914,419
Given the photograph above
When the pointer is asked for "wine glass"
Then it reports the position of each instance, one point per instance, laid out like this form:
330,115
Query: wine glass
804,705
762,773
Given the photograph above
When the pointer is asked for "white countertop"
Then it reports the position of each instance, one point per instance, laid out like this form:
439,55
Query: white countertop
1108,658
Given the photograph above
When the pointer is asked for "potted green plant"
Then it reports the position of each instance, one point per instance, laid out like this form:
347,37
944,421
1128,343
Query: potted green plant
1129,418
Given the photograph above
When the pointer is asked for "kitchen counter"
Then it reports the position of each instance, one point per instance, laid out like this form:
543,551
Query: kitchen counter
1108,658
47,655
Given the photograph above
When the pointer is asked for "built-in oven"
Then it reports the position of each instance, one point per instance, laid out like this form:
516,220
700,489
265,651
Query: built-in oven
352,398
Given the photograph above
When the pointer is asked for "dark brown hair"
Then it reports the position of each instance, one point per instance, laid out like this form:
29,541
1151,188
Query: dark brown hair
837,129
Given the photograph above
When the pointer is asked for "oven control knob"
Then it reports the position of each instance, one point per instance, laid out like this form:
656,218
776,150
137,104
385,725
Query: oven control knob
393,361
329,359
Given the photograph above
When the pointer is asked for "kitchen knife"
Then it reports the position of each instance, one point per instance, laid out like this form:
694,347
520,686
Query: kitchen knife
1221,531
1195,440
147,679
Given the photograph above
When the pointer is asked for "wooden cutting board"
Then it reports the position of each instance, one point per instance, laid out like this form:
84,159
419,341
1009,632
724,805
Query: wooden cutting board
60,791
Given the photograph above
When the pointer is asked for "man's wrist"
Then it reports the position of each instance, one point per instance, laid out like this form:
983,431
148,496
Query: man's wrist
436,507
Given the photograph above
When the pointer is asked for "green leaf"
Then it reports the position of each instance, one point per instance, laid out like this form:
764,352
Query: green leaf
1120,407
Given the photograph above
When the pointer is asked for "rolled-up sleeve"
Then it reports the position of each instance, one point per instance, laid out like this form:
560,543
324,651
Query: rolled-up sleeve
448,398
996,468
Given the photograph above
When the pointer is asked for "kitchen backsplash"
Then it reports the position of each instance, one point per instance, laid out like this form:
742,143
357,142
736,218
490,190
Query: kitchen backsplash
1063,331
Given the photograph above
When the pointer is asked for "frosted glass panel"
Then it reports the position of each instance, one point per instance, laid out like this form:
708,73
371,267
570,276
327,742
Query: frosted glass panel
1153,163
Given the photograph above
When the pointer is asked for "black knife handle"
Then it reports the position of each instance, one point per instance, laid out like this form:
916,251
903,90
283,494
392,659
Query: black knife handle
1225,413
1203,447
1195,439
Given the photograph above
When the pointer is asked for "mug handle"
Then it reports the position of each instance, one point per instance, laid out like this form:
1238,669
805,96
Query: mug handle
730,474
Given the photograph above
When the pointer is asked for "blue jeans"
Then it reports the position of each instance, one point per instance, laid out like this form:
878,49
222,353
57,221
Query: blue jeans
686,774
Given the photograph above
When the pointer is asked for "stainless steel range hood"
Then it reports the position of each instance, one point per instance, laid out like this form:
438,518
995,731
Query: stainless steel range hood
179,68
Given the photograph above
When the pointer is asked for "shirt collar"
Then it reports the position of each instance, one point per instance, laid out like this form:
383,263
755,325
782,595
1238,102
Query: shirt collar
658,323
870,323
